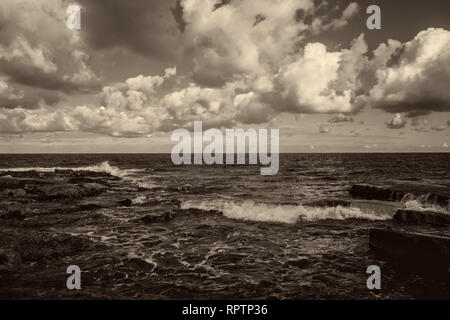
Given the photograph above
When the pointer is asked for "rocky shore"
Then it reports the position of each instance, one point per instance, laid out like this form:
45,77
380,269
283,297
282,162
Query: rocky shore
401,190
33,206
40,210
417,238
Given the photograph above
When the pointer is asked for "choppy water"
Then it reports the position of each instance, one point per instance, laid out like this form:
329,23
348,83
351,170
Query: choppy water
235,233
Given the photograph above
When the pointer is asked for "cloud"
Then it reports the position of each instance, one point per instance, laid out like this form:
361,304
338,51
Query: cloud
145,27
21,120
15,95
239,56
397,122
341,118
242,62
445,145
418,81
54,59
321,81
242,38
319,24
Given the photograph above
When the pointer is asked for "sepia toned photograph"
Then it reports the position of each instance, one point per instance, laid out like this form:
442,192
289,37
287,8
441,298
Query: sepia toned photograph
254,150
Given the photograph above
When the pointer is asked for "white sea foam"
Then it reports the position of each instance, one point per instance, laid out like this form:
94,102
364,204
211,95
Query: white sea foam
421,206
147,185
250,210
101,167
139,200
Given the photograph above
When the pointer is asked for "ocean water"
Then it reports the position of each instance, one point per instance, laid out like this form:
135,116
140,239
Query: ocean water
235,233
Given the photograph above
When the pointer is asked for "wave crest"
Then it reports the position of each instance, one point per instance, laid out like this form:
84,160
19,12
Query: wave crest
101,167
290,214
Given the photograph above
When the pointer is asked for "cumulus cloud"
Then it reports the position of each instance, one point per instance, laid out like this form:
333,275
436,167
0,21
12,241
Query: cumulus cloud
240,54
20,120
320,24
54,59
397,122
304,82
241,38
418,81
243,62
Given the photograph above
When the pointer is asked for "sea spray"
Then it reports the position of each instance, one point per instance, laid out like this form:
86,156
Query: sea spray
289,214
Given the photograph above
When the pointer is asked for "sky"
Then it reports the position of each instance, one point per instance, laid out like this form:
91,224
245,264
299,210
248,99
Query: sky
137,70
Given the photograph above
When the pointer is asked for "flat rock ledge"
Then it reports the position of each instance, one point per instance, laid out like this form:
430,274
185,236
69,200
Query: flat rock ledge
398,190
409,216
416,249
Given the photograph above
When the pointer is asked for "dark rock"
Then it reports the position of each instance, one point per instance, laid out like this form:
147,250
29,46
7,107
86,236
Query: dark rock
80,173
125,203
422,217
67,190
139,264
154,218
410,247
32,246
62,191
15,193
3,258
21,174
88,207
299,263
372,192
78,180
13,214
397,190
93,189
21,183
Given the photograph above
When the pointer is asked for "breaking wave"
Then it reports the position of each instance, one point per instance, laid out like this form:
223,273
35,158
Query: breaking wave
290,214
423,206
101,167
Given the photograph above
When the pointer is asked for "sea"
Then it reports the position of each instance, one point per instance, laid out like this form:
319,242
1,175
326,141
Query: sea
234,233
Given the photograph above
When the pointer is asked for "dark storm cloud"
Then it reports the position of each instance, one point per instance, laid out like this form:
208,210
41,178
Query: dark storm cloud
146,27
34,77
37,50
31,100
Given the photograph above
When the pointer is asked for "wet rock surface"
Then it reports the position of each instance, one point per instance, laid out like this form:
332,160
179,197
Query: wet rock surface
35,207
417,249
422,217
151,248
397,190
